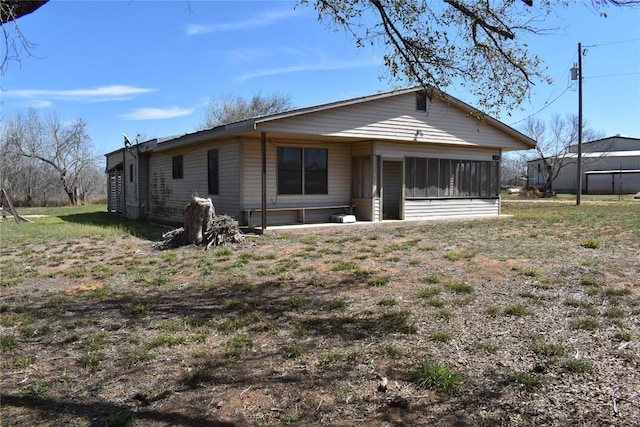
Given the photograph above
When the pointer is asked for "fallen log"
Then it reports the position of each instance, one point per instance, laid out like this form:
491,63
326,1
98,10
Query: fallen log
202,227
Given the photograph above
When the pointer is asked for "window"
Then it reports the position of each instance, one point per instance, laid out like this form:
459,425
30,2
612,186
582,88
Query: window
177,167
437,178
302,169
213,175
315,171
131,173
421,101
289,170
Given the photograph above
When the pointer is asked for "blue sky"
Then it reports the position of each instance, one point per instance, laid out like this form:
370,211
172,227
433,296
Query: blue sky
149,67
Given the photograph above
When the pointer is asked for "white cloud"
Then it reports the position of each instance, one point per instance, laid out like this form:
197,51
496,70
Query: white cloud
267,18
40,103
157,113
300,58
322,65
96,94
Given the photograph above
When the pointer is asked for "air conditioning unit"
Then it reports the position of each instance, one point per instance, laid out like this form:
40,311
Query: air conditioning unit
343,218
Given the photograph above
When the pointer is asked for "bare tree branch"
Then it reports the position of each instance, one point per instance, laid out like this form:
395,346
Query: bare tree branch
229,109
435,44
11,10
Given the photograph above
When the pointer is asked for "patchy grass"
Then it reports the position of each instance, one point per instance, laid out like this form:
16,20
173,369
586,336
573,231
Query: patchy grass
297,327
577,366
516,310
548,349
527,381
434,376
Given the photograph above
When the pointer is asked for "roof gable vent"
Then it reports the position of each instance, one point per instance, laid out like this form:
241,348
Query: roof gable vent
421,101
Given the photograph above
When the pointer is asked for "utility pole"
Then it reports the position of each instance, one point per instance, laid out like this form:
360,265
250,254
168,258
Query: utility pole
579,168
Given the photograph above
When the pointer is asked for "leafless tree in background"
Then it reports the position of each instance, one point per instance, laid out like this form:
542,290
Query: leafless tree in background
556,141
45,150
230,109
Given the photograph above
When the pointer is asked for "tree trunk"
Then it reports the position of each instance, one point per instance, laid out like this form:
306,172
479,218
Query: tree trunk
198,219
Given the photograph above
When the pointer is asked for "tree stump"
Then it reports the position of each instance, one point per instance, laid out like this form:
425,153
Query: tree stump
198,219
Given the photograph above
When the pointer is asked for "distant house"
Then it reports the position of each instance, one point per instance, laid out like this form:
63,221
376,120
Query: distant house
395,155
610,166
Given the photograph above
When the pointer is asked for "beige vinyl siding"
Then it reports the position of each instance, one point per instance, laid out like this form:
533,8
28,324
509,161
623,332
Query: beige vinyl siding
359,149
131,183
389,150
114,159
430,208
229,162
143,184
339,182
395,118
168,196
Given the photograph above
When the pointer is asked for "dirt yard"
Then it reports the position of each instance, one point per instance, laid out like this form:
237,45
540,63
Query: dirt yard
527,321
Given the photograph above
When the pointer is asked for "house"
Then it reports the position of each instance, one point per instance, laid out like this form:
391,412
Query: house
396,155
609,166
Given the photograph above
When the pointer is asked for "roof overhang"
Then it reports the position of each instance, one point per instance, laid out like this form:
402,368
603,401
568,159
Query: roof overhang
251,127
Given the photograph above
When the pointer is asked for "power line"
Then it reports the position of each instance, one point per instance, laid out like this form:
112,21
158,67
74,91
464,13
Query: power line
612,43
547,104
558,80
611,75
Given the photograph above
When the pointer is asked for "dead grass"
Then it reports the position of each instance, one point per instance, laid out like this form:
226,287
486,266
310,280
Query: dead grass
502,322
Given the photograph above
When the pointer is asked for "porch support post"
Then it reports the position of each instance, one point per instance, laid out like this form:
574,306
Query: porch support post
263,144
124,182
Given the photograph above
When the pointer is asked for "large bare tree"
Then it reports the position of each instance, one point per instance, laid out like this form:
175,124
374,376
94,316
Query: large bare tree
556,142
230,109
62,146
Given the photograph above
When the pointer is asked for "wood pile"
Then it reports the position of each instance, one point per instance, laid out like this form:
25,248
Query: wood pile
202,227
